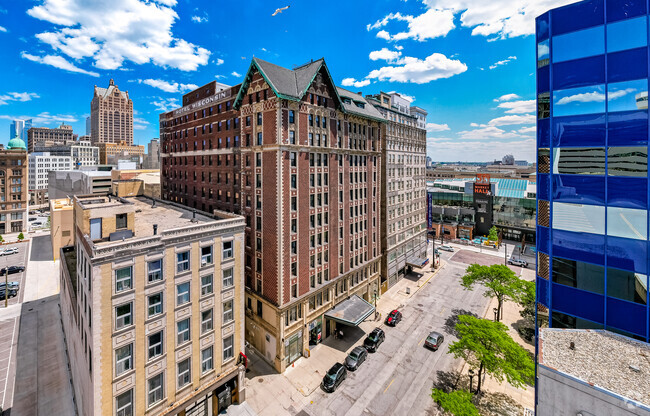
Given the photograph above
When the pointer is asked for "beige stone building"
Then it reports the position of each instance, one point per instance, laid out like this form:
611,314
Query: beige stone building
62,225
110,153
152,307
111,115
43,136
13,187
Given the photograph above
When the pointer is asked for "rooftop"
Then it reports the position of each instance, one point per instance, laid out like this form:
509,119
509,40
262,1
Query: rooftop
61,204
604,359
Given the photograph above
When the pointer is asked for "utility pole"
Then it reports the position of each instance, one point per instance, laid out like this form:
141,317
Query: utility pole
6,287
505,254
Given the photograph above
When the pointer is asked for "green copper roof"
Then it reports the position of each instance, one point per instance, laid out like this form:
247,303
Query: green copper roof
16,143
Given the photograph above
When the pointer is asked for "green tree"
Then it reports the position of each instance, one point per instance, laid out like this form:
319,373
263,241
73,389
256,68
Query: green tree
527,312
493,235
501,283
21,237
1,239
458,402
486,345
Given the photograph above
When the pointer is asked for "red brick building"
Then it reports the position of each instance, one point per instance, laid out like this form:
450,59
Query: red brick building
308,169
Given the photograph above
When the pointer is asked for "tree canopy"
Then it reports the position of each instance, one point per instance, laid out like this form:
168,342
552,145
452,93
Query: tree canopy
458,402
493,235
500,282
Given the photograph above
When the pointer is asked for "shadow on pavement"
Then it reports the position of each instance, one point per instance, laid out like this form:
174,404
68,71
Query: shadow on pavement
41,248
413,276
351,335
452,320
448,381
257,366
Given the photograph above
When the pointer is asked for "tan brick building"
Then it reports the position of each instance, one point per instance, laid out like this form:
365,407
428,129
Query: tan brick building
43,136
152,307
110,153
13,187
111,115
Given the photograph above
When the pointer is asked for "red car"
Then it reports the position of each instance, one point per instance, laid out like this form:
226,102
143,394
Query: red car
393,318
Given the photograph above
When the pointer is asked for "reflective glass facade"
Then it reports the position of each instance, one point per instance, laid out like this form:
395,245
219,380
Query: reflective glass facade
592,179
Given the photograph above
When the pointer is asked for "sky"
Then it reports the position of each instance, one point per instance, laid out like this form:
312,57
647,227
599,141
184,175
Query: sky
469,63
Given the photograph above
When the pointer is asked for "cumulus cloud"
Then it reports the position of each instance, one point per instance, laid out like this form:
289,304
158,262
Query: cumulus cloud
429,25
385,55
57,62
525,130
110,33
165,104
507,97
433,127
139,123
235,74
487,132
44,118
200,19
2,29
453,150
419,71
503,62
168,86
513,120
17,96
218,61
351,82
518,107
585,97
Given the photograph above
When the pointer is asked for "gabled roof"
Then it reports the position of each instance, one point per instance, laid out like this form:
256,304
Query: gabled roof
105,92
358,105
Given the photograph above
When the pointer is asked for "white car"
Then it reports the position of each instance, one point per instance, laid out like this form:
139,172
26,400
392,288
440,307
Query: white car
518,262
446,248
10,250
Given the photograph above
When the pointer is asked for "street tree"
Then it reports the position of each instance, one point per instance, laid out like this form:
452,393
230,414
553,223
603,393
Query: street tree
486,346
458,402
21,237
493,235
501,283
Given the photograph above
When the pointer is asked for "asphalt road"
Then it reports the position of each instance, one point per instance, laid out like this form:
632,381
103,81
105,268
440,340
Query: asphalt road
18,259
398,378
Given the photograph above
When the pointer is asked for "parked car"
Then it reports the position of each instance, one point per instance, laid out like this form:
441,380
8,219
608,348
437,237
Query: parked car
374,339
37,224
11,270
434,340
334,377
10,294
32,219
518,262
356,357
10,250
437,252
12,285
446,248
393,318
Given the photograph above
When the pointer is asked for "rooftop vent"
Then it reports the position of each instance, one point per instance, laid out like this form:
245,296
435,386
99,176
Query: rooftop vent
155,229
572,345
194,216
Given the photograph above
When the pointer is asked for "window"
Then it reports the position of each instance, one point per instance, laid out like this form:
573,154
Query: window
206,321
627,223
259,138
621,96
627,34
542,53
155,304
292,137
124,404
592,41
627,285
294,181
294,247
207,363
120,221
123,359
123,279
259,119
292,116
155,344
227,250
155,389
182,261
206,285
182,293
627,161
184,372
228,314
182,331
227,278
292,159
228,350
155,270
206,255
569,102
579,160
585,276
123,315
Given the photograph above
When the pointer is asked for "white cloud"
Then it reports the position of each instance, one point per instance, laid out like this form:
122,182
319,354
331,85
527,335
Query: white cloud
44,118
433,127
3,29
385,55
399,47
513,120
499,18
487,132
454,150
57,62
219,76
235,74
110,33
519,107
418,71
382,34
351,82
139,123
586,97
503,62
620,93
165,104
218,62
200,19
507,97
525,130
168,86
429,25
17,96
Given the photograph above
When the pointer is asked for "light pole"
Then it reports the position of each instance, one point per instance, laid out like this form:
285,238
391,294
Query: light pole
376,313
505,254
496,317
471,377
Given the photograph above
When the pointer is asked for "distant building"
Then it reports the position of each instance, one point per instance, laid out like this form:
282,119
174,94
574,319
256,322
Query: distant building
420,115
111,115
508,160
110,153
88,126
13,187
152,306
62,224
19,128
152,158
62,184
81,152
521,163
42,136
40,164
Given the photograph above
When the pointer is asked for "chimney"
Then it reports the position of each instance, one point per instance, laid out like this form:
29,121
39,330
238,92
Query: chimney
194,216
153,204
155,229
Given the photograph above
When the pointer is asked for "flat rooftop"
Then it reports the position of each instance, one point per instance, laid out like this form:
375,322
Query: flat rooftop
167,216
602,358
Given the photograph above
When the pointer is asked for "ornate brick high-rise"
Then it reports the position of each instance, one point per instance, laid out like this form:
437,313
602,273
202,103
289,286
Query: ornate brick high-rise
111,115
304,169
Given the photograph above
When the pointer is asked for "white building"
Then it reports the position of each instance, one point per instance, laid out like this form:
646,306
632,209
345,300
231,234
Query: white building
40,164
83,153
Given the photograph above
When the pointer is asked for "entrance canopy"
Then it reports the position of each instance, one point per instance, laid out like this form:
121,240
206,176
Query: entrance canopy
417,261
351,311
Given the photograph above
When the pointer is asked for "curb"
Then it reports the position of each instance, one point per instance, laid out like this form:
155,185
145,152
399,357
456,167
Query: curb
435,272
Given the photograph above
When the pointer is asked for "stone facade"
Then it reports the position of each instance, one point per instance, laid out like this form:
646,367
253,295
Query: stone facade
111,115
110,153
43,136
13,190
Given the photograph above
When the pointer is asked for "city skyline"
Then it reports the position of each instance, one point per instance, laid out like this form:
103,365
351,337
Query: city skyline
438,52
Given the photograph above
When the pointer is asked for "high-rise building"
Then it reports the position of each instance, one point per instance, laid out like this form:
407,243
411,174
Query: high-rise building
88,125
592,183
306,174
111,153
404,194
111,115
43,136
19,128
40,163
152,306
152,158
13,187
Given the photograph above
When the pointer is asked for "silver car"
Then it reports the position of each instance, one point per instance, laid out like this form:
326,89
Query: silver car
518,262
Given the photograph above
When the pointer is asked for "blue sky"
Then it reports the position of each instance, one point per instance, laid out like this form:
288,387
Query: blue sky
469,63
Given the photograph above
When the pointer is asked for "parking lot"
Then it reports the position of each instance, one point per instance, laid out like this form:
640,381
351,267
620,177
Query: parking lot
38,221
17,259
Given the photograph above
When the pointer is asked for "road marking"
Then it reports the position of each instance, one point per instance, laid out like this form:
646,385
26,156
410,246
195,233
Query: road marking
442,311
4,393
422,340
391,382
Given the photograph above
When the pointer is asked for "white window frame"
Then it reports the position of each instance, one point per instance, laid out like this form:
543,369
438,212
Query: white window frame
155,346
184,377
207,324
118,318
125,363
183,265
228,314
157,392
207,362
179,299
151,271
127,409
228,281
124,283
207,258
178,332
157,306
206,286
228,348
227,253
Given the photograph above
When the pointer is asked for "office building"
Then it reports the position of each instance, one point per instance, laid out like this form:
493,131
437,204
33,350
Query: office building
152,158
43,136
111,153
306,175
20,128
61,225
81,152
62,184
40,165
88,126
13,187
111,115
152,308
404,196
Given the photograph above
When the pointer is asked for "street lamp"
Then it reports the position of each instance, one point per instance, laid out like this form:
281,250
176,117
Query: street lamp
471,377
496,311
376,313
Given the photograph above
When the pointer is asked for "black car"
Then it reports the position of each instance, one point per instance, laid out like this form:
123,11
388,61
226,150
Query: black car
374,339
393,318
12,270
334,377
5,295
357,356
434,340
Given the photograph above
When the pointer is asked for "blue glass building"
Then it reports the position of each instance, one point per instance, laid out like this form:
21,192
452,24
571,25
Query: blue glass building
592,179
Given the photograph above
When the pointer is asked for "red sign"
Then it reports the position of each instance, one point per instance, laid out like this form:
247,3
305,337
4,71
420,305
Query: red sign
482,184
